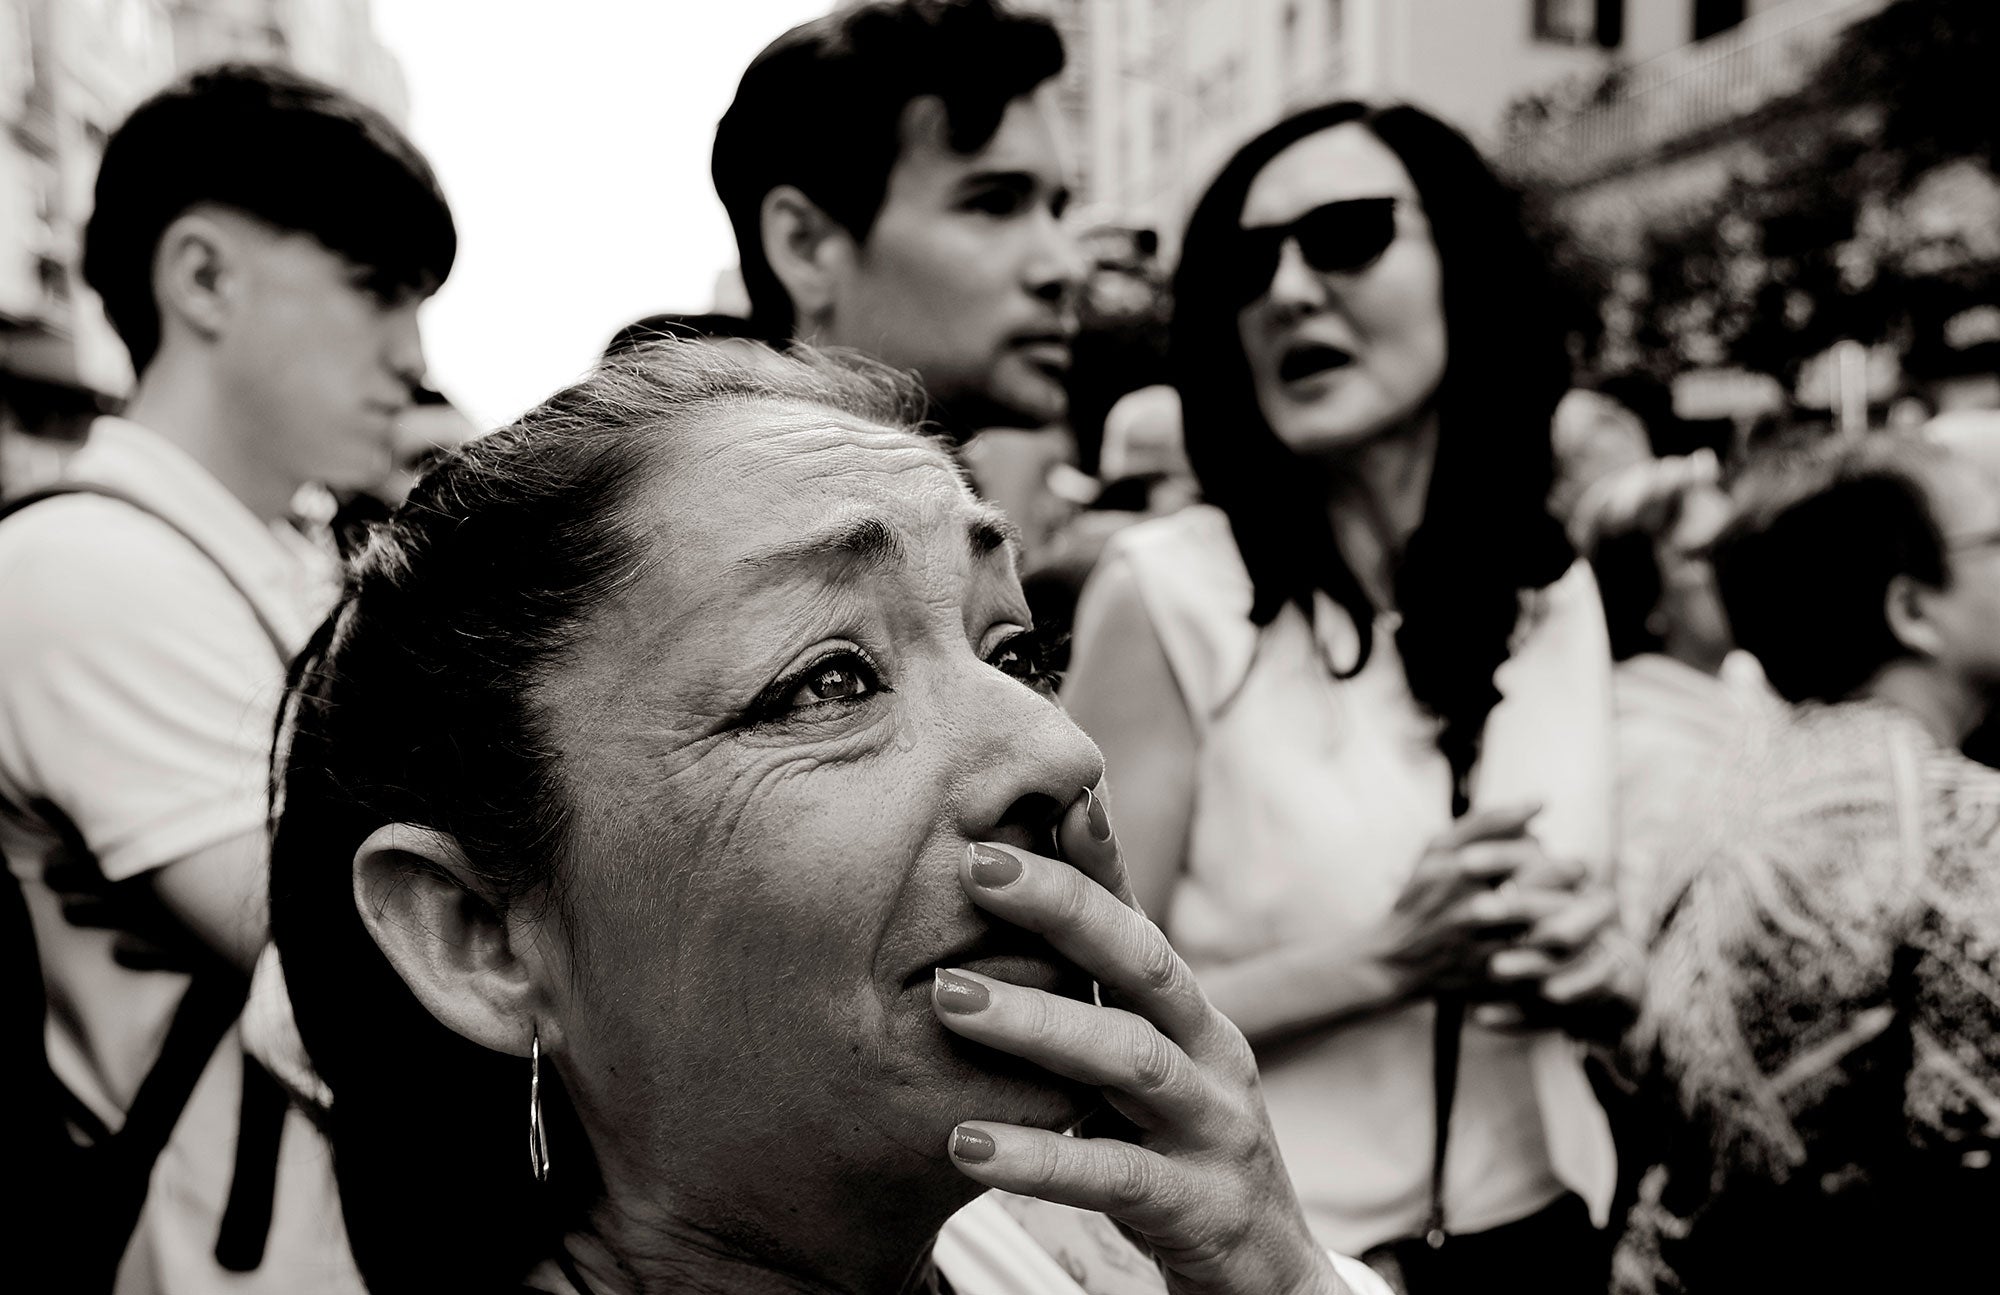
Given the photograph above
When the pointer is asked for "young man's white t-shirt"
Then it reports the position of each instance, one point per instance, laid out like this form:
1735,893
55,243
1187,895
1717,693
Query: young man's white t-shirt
138,691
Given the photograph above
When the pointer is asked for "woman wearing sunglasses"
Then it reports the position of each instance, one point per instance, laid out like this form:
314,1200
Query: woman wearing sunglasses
1356,709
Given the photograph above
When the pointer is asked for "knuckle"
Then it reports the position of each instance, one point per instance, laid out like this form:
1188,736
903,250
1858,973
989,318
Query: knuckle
1072,898
1046,1167
1233,1051
1132,1184
1154,1063
1161,971
1239,1056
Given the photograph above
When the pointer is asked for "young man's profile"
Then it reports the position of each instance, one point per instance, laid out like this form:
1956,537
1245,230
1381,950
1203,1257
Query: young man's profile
261,243
894,174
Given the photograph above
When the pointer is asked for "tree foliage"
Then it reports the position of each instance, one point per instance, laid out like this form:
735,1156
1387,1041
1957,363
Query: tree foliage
1868,209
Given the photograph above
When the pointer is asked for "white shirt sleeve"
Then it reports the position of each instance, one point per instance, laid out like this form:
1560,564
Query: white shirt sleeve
137,689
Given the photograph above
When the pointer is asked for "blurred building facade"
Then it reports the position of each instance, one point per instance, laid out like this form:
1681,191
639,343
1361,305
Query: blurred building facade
1176,85
69,72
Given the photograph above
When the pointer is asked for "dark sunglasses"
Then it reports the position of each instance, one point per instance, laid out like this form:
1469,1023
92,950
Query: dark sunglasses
1337,238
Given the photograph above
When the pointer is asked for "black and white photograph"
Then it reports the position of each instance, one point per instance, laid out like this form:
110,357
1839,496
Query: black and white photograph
999,647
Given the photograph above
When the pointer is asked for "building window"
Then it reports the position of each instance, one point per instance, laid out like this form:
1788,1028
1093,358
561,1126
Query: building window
1712,16
1580,22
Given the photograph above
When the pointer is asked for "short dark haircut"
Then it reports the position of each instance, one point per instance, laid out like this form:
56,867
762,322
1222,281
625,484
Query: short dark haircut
1805,565
417,702
1486,535
821,108
278,146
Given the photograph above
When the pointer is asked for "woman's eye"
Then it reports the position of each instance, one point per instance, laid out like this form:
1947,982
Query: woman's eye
995,202
840,679
1028,656
831,683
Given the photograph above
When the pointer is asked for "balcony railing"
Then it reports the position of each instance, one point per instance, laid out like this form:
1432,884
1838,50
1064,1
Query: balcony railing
1690,90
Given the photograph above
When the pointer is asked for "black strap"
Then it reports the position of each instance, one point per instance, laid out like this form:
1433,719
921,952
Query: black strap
253,1189
1447,1038
1447,1033
213,1002
211,1005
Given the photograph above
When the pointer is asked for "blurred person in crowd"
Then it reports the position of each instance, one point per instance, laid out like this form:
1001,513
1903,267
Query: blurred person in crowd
895,177
1975,435
429,428
1356,710
1144,473
261,244
1144,447
680,759
1819,1011
1686,698
1594,437
1121,341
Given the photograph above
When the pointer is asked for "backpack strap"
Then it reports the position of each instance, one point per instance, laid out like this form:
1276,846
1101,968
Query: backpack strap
213,1002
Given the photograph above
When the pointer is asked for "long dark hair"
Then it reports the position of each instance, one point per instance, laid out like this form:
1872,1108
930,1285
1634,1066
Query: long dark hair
416,703
1486,534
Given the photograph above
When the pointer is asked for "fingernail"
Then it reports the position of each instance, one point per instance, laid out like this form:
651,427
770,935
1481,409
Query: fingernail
971,1146
959,995
1100,822
993,868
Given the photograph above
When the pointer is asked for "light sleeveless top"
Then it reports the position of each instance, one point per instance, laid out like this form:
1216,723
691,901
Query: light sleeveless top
1314,797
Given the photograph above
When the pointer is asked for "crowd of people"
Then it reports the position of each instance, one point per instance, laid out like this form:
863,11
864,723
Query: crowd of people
1356,820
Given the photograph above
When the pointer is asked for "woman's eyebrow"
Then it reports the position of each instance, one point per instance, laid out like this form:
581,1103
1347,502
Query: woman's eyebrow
868,540
991,529
872,541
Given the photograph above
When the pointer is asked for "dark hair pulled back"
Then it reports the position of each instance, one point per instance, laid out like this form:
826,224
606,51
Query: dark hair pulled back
416,702
1486,535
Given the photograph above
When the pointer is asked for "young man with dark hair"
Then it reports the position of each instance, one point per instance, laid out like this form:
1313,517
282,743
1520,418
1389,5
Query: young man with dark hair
261,243
895,178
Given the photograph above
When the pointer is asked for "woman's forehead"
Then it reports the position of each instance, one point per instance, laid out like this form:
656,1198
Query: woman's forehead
1332,165
756,477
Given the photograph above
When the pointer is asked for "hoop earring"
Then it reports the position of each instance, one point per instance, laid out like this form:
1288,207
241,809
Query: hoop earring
538,1134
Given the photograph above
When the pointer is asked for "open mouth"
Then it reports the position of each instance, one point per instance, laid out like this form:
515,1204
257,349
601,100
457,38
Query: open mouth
1049,352
1310,360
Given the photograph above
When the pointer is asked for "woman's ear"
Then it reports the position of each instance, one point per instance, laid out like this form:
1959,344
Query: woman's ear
810,253
1907,607
423,906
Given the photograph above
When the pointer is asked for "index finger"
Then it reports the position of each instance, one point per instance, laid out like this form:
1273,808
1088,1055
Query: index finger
1085,841
1111,943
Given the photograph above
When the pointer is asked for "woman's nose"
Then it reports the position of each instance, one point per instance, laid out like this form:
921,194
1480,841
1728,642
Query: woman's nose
1295,286
1024,762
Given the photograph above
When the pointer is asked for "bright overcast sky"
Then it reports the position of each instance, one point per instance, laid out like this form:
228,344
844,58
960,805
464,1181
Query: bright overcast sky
572,140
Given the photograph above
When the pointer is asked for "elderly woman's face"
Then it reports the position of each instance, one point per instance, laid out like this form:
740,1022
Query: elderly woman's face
1347,338
779,740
